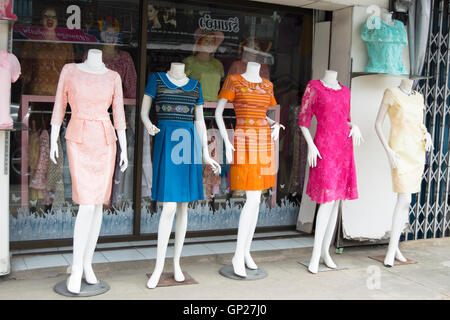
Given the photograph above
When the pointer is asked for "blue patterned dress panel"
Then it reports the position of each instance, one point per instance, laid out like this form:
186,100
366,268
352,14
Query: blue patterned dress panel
385,46
173,102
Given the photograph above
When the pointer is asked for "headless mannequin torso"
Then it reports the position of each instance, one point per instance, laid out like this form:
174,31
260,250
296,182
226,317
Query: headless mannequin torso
327,214
89,217
249,214
177,76
401,209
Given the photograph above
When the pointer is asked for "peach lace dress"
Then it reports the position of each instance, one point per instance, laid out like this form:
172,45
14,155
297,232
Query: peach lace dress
91,140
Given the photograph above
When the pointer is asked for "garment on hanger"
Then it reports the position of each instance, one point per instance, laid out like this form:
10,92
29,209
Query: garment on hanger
406,138
90,136
42,63
55,181
208,73
146,166
253,166
334,176
211,182
384,45
39,177
9,72
177,154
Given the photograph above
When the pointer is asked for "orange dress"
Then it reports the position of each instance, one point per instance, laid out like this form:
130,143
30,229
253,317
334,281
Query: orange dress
253,166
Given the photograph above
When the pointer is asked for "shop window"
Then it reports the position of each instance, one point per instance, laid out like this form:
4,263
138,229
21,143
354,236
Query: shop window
48,35
280,40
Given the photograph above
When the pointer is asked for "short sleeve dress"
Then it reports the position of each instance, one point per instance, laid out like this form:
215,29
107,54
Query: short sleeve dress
90,136
406,138
253,166
9,72
177,153
334,176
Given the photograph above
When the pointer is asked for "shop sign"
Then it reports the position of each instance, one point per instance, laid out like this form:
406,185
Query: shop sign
231,24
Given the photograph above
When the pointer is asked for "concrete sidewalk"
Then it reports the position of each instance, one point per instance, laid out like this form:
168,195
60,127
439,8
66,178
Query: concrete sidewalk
365,278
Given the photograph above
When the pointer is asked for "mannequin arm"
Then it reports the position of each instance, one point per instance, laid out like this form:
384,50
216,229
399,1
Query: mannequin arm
275,126
355,133
145,110
123,147
223,130
313,152
392,155
201,129
54,143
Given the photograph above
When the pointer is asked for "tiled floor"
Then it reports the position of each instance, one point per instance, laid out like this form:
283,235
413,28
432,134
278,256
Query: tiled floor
210,245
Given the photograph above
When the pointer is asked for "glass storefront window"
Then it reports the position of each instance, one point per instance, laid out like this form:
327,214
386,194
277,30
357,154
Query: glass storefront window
48,35
235,33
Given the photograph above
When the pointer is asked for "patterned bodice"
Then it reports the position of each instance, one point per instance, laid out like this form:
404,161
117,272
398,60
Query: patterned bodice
173,102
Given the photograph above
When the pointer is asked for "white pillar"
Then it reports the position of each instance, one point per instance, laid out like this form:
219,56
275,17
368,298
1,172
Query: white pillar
4,175
4,203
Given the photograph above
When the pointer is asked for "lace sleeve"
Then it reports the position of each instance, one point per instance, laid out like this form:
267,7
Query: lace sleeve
61,98
306,110
117,105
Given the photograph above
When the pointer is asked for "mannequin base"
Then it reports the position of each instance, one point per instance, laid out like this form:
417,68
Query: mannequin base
257,274
396,262
322,267
167,280
87,290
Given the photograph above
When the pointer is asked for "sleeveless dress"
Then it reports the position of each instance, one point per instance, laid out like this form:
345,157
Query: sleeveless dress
385,46
90,136
9,72
177,153
334,177
253,166
406,138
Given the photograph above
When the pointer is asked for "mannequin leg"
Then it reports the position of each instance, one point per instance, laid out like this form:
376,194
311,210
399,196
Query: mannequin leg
180,233
246,220
91,244
247,257
398,222
164,229
329,236
322,221
81,232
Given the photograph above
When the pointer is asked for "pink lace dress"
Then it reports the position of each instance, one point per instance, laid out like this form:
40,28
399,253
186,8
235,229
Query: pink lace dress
334,177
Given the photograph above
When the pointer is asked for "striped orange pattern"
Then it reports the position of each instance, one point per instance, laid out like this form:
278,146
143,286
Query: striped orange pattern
253,166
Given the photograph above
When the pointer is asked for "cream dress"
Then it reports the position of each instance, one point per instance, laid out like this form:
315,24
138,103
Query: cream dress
406,138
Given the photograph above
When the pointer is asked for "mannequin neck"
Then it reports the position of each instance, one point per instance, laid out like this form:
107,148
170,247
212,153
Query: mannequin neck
93,63
329,79
387,18
176,74
251,74
406,86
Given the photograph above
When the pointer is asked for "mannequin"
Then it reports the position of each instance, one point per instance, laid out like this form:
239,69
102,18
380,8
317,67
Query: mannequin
328,212
250,211
89,217
177,76
401,209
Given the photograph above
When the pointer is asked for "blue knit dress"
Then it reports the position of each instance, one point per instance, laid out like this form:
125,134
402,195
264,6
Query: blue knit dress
177,153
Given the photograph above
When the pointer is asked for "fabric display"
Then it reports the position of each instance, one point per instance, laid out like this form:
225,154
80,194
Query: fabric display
406,138
384,45
253,166
334,177
9,72
177,174
90,135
